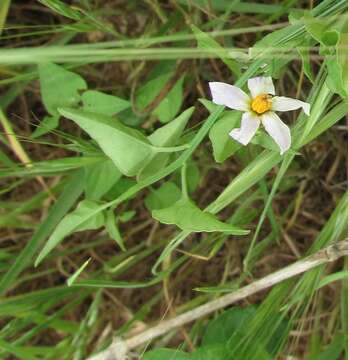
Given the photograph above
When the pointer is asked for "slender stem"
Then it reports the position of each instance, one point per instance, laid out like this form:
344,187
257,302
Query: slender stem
184,181
170,149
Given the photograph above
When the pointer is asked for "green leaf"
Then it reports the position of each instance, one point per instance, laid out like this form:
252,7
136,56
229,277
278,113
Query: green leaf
83,210
163,197
315,27
193,176
333,350
50,167
306,62
207,43
187,216
267,346
334,79
171,104
219,352
333,39
166,354
241,7
65,201
220,330
150,90
100,178
120,187
4,7
112,229
167,135
100,283
264,140
59,7
223,145
128,148
59,87
77,273
209,105
5,160
48,124
17,351
23,303
338,68
126,216
340,275
154,84
275,40
98,102
71,223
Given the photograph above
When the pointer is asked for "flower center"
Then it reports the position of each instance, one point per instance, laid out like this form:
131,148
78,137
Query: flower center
261,104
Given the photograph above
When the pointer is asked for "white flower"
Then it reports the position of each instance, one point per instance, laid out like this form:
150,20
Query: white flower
258,108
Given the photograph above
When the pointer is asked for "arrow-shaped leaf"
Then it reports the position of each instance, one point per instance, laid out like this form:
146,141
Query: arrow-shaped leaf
187,216
128,148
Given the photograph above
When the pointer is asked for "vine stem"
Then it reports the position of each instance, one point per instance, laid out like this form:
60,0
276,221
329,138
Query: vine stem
119,348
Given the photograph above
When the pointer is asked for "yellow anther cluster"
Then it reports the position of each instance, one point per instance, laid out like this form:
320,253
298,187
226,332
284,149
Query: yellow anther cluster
261,104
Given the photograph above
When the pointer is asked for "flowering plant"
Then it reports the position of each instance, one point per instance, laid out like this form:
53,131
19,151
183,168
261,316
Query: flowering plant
258,108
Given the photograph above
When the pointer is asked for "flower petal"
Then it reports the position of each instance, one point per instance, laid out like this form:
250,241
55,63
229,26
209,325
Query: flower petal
249,125
230,96
282,103
277,130
261,85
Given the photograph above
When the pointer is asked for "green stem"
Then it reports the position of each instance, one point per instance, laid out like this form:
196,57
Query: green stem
184,181
171,149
